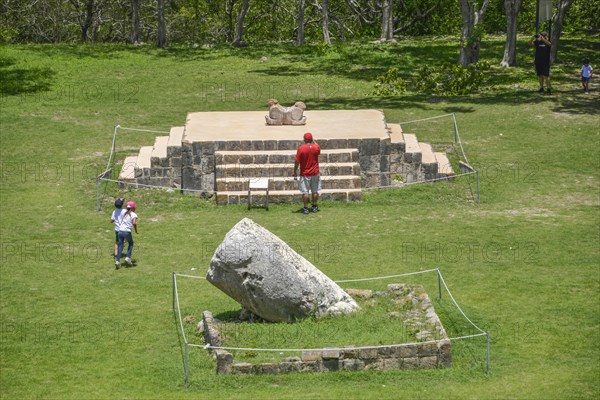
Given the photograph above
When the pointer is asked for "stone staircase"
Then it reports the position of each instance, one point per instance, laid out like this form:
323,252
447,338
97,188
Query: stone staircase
226,168
417,161
340,175
157,165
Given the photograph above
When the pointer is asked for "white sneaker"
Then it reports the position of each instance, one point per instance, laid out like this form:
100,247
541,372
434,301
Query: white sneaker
117,265
127,260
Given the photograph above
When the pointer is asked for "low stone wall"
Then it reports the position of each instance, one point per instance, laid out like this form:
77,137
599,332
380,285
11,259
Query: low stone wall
434,351
379,159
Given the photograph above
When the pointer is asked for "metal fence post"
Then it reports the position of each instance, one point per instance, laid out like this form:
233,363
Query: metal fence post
173,294
478,195
439,274
186,365
487,368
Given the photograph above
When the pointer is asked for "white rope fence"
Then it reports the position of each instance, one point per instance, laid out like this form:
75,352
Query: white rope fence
457,141
441,282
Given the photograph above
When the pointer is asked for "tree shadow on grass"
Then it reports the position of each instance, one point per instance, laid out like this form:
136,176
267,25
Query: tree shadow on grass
16,81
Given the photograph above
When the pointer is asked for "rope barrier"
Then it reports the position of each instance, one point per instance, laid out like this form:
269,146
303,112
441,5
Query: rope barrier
457,306
385,277
437,270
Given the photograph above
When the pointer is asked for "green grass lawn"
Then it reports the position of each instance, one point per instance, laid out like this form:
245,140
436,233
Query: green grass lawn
523,265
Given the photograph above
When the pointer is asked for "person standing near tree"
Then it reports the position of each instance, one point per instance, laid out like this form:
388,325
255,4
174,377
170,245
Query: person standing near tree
307,158
542,60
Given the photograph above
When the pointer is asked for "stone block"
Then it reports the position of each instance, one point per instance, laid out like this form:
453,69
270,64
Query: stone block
387,351
331,364
410,363
268,368
369,147
330,354
270,145
407,351
370,164
337,143
224,362
427,349
384,164
312,355
352,364
354,143
287,144
290,366
261,158
349,352
311,366
391,363
207,164
428,362
365,354
257,145
243,368
176,162
245,145
220,145
233,145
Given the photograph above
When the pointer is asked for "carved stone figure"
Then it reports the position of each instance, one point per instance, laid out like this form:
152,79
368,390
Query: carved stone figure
279,115
266,276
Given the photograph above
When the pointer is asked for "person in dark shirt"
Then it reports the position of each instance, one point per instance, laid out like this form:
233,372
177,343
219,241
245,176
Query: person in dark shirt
542,60
307,158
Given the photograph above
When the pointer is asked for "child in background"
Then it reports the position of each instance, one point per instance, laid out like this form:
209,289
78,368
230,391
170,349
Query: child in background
586,74
115,217
127,223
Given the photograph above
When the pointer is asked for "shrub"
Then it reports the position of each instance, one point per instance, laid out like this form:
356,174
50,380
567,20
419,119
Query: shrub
389,84
451,79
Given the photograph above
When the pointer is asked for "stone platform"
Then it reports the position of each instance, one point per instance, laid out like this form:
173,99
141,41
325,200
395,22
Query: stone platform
429,348
219,153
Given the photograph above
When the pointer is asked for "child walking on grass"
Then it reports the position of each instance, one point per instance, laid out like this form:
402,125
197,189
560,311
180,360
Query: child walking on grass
127,223
586,74
115,217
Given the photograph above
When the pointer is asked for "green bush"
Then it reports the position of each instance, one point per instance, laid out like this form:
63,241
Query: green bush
451,79
389,84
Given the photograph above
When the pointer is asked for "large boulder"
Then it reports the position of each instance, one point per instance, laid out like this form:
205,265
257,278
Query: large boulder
266,276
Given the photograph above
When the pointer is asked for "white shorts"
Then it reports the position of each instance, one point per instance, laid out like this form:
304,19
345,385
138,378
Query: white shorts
310,182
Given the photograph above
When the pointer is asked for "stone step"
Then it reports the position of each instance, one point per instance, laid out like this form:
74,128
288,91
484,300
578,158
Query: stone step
159,150
412,149
128,169
288,183
396,134
174,143
282,156
286,196
245,171
427,156
444,166
144,158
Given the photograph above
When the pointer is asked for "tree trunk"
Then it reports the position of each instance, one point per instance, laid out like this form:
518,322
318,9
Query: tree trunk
84,16
512,8
324,11
135,21
559,20
239,28
470,37
387,21
161,37
300,36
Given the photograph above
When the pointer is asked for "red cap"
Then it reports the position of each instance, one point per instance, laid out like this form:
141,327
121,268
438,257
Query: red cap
308,136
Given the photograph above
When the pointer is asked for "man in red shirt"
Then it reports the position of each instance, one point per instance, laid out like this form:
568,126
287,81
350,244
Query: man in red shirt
307,158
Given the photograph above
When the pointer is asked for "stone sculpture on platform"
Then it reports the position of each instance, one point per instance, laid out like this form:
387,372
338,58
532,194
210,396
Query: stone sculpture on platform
271,280
279,115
